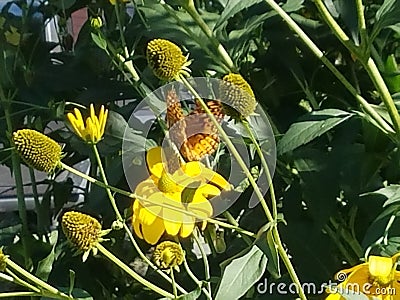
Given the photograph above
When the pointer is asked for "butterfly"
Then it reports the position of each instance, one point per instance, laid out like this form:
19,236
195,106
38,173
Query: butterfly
194,134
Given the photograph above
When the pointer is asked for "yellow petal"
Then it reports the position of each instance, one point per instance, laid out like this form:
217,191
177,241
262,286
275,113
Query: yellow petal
154,161
152,233
103,122
209,190
202,209
149,213
92,113
136,227
192,168
79,119
187,226
73,121
171,227
381,268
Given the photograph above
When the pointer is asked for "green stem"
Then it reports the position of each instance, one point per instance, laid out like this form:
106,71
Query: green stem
39,218
104,177
16,168
194,278
319,54
173,283
19,294
339,244
231,148
387,99
15,279
365,59
361,25
337,30
232,220
149,262
36,280
265,166
132,273
194,37
205,260
191,9
243,166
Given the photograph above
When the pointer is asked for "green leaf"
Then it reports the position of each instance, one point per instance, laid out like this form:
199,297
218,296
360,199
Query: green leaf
387,15
311,126
266,243
391,192
241,274
193,295
46,265
99,41
232,8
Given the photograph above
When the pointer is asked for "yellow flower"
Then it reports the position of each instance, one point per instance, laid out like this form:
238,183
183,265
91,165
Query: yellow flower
237,96
168,255
167,60
376,279
96,22
182,198
37,150
83,232
94,129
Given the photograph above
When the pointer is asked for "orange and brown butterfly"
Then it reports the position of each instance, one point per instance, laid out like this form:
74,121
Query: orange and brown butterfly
194,134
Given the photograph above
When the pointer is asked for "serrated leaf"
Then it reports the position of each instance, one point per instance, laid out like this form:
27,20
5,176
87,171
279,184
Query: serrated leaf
391,192
311,126
387,15
241,274
232,8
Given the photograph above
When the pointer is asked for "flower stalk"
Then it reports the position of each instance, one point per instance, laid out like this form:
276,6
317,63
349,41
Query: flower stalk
235,153
383,125
132,273
364,57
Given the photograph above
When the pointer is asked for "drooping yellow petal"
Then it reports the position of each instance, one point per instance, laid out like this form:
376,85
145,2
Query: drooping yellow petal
380,268
187,226
136,227
152,233
192,168
154,161
146,188
148,214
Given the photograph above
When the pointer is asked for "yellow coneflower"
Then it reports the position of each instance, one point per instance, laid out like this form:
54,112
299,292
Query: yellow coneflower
168,255
188,190
237,96
93,131
83,232
37,150
167,60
